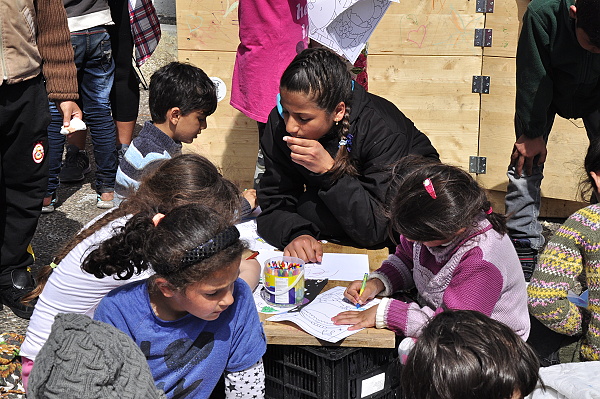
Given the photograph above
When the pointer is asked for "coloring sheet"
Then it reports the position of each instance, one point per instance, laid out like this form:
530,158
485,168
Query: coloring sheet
345,25
315,318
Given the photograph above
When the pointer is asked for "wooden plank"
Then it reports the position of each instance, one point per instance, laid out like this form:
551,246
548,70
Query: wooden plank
231,138
566,148
287,333
428,27
207,25
435,93
505,23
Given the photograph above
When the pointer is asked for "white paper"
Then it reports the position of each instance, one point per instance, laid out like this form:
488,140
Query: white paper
315,318
345,267
249,234
345,25
335,266
263,306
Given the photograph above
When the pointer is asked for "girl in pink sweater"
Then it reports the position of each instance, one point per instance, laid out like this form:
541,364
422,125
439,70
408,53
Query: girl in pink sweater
453,250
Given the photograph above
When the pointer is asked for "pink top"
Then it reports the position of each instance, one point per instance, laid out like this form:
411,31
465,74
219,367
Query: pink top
479,270
271,34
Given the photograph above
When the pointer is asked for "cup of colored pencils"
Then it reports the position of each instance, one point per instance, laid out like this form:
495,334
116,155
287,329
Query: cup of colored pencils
284,281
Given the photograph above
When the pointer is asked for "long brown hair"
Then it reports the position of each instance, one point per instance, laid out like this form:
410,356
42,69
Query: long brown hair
184,179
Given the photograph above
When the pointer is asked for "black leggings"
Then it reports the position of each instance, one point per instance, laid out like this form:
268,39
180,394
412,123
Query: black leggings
125,94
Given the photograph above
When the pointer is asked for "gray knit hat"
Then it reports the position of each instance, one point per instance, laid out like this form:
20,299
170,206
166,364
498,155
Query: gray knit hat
84,358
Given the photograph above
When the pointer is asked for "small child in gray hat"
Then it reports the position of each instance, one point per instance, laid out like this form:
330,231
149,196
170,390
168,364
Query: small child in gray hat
84,358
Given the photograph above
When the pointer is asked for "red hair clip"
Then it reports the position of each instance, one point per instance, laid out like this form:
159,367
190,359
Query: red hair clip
429,188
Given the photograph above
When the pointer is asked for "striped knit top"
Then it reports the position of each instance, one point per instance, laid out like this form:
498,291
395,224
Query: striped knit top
571,262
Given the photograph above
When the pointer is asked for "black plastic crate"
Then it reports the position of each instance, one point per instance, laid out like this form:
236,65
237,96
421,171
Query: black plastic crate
304,372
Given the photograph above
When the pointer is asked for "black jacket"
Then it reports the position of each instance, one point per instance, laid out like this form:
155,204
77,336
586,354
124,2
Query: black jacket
296,201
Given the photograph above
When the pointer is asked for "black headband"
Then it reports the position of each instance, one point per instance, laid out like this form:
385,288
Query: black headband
209,248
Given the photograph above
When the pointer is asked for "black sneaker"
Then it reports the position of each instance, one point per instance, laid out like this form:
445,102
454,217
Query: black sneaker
22,284
75,166
527,256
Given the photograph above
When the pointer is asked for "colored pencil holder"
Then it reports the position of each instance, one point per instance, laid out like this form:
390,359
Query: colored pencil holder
284,281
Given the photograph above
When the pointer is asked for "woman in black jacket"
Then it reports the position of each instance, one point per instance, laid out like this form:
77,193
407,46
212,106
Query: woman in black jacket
328,148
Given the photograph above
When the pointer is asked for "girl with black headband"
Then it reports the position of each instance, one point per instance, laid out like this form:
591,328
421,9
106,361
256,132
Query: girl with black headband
327,148
194,319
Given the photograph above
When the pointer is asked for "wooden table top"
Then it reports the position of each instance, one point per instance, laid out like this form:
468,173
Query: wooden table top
287,333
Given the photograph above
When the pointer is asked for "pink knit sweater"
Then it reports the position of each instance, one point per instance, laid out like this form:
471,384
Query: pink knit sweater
478,270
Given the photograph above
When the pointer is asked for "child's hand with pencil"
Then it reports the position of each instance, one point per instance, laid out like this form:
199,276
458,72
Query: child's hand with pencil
360,292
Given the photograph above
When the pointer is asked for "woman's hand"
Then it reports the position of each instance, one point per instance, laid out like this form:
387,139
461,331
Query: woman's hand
373,287
306,248
357,318
310,154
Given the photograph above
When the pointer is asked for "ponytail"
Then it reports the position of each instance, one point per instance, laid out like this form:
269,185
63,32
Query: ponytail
122,255
497,220
343,164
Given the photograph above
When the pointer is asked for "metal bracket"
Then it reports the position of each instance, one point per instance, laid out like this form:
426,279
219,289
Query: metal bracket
477,164
481,84
485,6
483,38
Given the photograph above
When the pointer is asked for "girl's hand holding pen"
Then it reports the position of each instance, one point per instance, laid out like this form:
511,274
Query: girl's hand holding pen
373,287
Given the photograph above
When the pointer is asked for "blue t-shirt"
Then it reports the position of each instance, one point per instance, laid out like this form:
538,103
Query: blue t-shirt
187,356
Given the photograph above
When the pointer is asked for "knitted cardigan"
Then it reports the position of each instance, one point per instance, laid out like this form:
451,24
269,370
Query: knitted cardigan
571,262
478,270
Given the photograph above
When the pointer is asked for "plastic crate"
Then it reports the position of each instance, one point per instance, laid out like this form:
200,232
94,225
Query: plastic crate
331,372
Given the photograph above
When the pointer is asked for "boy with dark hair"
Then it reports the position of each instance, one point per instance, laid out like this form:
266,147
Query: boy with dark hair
181,97
465,354
558,72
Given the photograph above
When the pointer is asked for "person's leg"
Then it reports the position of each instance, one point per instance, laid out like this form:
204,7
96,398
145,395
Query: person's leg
260,161
125,93
523,197
24,118
96,83
56,142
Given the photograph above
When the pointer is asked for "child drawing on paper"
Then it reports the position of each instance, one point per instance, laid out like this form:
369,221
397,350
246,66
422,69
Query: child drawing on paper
453,249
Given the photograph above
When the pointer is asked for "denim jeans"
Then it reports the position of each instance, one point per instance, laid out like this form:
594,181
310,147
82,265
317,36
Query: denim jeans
95,74
523,195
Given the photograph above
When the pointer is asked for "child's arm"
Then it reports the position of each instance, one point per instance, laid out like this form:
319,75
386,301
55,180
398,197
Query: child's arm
250,272
396,271
558,271
249,383
475,285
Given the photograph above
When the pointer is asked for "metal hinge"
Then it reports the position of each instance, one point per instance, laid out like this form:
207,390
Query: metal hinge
485,6
481,84
483,38
477,164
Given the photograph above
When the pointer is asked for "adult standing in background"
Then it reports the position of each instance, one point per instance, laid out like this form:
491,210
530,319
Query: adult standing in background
36,64
136,27
558,72
271,34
